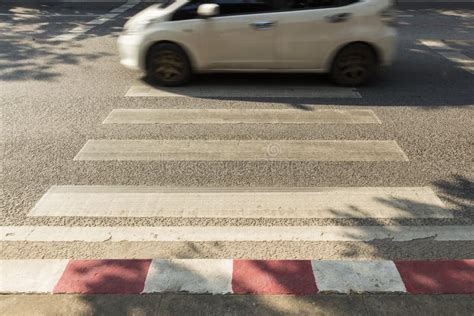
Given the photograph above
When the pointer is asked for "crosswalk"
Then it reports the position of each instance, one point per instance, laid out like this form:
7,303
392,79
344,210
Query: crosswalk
240,202
256,204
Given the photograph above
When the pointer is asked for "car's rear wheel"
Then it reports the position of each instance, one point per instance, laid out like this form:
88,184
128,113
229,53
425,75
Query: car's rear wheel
168,65
353,65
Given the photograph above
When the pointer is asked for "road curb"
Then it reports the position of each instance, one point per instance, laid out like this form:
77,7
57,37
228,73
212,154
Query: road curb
227,276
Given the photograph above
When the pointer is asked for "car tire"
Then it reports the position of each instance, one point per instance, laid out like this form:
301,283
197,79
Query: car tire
168,65
354,65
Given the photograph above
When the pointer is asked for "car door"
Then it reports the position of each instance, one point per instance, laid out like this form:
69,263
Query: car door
242,37
309,30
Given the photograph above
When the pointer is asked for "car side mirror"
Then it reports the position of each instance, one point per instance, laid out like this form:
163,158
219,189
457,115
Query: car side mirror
208,10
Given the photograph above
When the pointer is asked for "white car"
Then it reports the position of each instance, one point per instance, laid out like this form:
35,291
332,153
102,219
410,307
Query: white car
346,38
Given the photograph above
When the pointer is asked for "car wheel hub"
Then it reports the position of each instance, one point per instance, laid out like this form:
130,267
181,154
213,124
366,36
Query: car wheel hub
353,67
169,66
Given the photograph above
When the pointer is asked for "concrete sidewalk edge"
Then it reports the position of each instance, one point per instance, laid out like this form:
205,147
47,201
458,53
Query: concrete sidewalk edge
249,305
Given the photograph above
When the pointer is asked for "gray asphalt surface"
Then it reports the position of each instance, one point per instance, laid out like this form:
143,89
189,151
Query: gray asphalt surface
54,97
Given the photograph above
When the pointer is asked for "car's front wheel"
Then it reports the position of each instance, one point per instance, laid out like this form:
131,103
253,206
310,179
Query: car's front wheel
168,65
353,65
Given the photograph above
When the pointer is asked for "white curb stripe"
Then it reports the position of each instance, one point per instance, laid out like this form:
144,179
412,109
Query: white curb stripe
235,233
332,202
190,275
243,91
242,150
238,116
30,276
357,276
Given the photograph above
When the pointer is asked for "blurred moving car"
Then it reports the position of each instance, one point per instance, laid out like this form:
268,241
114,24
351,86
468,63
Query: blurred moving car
346,38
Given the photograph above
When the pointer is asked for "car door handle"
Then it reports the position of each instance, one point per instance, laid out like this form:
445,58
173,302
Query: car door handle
336,18
263,25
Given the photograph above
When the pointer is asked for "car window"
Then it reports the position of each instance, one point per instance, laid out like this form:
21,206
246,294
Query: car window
227,7
237,7
234,7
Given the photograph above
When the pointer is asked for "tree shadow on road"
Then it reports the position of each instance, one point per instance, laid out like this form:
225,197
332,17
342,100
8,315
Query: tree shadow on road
27,48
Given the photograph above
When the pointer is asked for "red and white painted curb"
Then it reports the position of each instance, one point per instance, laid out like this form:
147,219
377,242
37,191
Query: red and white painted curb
227,276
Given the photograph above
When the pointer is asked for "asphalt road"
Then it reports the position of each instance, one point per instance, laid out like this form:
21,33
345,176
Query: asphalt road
55,96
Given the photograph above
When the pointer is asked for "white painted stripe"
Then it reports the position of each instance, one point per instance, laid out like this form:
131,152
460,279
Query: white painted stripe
468,69
96,22
237,116
120,10
345,276
86,27
30,276
80,29
65,37
243,91
466,43
458,58
235,233
242,150
464,62
143,201
435,44
190,275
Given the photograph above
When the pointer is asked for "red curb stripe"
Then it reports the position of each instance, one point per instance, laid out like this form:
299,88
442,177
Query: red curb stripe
103,277
273,277
437,277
